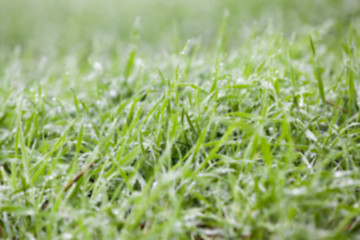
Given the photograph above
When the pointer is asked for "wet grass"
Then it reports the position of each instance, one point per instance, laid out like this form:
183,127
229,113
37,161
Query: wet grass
191,122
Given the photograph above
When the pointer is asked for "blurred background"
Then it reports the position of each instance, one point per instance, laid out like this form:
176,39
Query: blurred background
49,26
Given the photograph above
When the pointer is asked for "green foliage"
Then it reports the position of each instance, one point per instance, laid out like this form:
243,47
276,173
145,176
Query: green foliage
201,120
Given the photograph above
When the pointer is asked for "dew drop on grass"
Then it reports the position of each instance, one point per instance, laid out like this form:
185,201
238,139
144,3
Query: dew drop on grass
113,93
310,135
50,177
339,174
271,130
139,62
246,231
178,226
297,191
67,236
98,66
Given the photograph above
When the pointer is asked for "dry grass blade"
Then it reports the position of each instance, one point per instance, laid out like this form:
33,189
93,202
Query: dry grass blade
78,176
337,106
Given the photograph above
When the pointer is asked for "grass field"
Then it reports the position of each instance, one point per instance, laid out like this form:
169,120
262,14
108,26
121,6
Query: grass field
178,119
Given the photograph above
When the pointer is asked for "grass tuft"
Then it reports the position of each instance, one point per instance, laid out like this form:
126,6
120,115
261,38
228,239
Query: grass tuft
199,124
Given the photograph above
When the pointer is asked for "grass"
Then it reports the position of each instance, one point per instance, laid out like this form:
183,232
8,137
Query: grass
191,122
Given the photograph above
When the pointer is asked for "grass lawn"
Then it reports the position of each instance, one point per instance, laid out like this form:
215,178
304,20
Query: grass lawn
231,119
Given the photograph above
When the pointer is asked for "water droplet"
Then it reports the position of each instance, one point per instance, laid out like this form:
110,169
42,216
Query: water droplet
98,66
113,93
